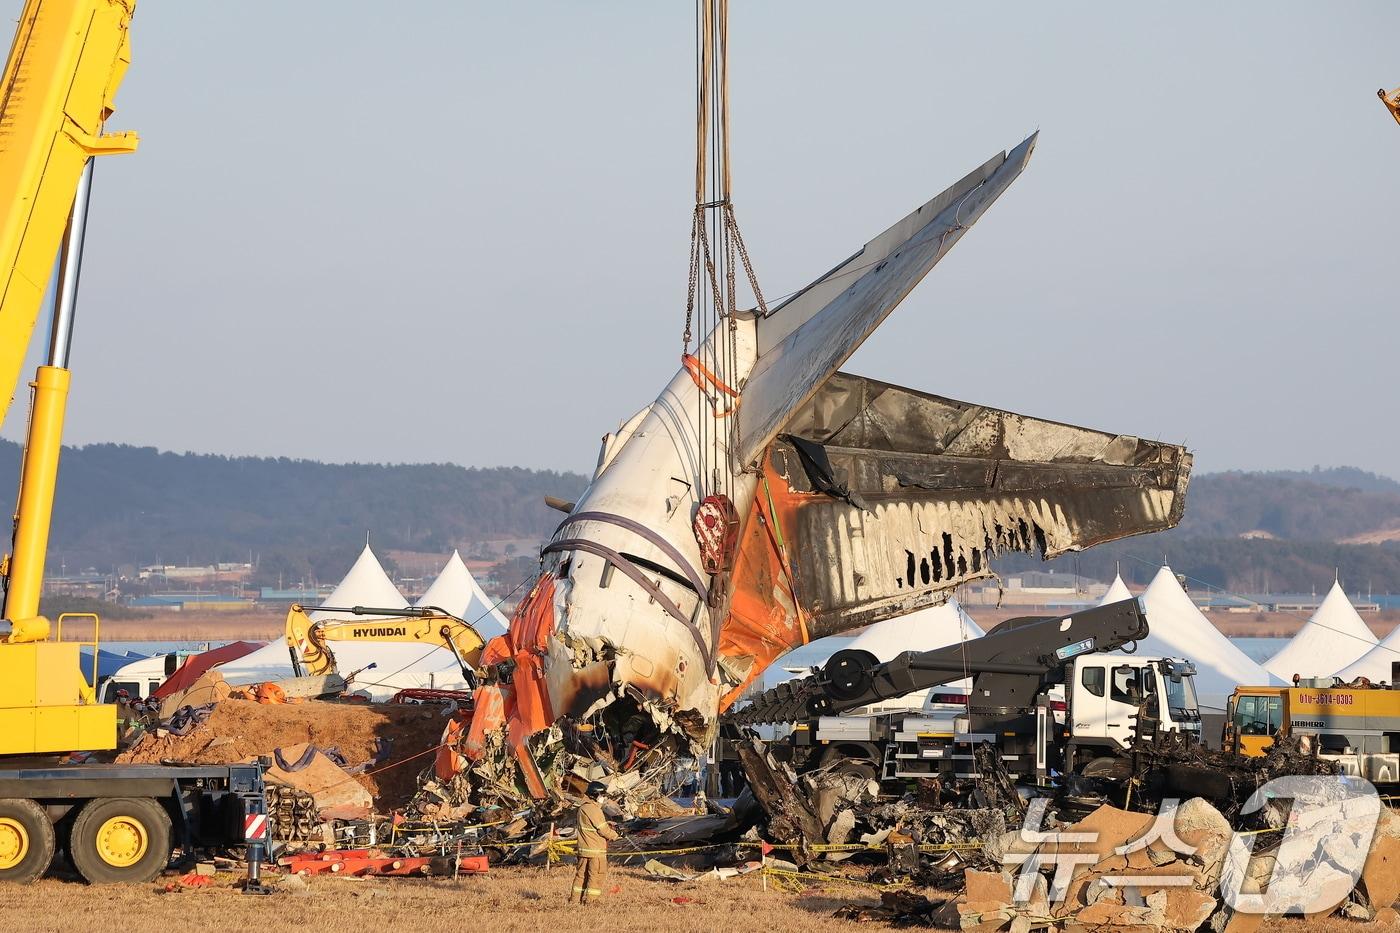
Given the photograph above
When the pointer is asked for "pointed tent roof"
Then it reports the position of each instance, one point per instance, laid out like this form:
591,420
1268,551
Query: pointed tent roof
1117,591
366,584
456,591
1330,640
924,630
396,665
1375,664
1180,630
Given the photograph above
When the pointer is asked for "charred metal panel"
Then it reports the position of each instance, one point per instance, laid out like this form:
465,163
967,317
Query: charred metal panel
942,487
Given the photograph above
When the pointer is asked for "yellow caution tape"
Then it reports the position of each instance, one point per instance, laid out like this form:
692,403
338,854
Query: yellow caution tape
807,879
561,846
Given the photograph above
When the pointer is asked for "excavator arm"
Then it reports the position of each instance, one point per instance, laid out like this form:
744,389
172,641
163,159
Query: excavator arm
308,639
1031,646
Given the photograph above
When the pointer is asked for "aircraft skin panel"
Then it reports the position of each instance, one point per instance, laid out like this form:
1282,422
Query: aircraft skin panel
788,372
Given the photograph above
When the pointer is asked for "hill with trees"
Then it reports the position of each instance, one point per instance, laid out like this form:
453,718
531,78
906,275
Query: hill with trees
122,505
1271,531
119,504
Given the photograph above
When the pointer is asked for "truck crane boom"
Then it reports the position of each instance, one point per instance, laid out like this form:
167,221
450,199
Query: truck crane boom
1029,647
116,822
68,58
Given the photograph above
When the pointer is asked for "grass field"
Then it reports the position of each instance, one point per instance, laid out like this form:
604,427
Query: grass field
185,626
508,899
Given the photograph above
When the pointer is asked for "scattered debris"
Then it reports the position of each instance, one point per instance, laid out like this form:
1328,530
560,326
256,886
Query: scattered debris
328,784
1172,765
359,862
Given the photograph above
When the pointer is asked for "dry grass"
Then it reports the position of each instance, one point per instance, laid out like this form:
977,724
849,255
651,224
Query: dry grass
186,626
508,899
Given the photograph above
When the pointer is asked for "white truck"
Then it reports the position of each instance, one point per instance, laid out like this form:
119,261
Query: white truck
1051,694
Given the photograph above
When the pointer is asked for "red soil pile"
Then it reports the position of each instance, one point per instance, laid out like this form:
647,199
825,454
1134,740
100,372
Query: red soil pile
241,729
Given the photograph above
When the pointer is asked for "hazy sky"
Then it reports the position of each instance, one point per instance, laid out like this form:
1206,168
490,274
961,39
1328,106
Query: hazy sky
459,231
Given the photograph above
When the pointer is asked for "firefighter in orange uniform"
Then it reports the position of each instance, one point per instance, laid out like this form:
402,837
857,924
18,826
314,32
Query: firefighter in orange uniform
593,835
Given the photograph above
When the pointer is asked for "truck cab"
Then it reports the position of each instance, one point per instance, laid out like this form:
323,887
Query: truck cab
1358,727
140,678
1108,691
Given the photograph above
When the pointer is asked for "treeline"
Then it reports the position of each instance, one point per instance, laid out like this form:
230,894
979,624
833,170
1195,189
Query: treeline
119,504
1317,506
1234,565
298,519
1305,514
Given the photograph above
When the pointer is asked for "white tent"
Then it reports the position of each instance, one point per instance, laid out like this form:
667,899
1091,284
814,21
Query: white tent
365,585
1117,591
396,666
456,591
924,630
1330,640
1375,664
1180,630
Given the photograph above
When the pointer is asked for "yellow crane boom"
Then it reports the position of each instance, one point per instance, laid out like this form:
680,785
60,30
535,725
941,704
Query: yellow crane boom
57,92
67,60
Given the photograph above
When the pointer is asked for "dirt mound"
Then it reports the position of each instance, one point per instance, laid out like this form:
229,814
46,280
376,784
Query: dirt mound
241,729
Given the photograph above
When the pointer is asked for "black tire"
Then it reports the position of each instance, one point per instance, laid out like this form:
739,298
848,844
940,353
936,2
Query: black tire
120,839
27,840
862,768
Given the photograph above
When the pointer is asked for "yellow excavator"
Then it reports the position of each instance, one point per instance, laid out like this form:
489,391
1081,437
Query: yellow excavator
307,638
117,822
1391,99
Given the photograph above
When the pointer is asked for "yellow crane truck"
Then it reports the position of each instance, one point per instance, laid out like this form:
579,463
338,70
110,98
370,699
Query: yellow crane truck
115,822
1357,726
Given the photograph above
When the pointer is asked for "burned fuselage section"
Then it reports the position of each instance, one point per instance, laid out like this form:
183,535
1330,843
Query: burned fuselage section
928,490
765,499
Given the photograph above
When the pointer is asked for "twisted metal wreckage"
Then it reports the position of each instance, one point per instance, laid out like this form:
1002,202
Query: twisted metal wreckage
766,499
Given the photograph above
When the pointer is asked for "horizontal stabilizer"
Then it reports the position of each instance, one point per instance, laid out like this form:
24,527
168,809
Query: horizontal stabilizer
891,498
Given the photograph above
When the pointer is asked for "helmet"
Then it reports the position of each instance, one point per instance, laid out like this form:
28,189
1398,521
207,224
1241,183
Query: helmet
595,790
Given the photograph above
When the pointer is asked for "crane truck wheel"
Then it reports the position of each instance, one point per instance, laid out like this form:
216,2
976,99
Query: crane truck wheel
26,840
865,770
120,839
849,761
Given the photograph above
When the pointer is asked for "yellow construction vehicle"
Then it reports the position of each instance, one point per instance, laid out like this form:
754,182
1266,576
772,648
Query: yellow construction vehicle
117,822
311,655
1391,99
62,75
1357,726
